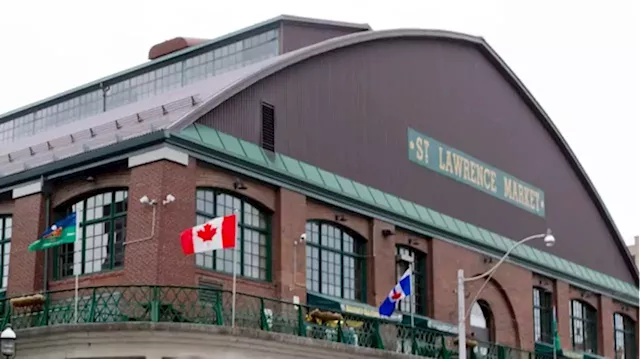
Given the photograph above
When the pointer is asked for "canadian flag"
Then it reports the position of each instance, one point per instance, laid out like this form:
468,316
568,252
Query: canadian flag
218,233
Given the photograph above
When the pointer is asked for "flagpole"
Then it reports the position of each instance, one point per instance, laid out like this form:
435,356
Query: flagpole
233,285
75,312
413,296
555,333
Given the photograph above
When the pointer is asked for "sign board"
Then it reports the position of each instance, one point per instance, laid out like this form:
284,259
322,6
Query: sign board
455,164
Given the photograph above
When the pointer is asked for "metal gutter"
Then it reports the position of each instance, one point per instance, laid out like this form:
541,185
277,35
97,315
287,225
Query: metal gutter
83,161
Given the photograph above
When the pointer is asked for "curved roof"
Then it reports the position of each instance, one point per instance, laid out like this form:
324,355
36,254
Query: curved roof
294,57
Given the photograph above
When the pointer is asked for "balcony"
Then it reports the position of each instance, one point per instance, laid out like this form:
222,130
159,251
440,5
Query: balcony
211,307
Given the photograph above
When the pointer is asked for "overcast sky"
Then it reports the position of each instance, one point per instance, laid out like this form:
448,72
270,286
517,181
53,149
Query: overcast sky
580,59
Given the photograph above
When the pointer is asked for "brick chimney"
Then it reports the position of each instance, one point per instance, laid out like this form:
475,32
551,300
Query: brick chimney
173,45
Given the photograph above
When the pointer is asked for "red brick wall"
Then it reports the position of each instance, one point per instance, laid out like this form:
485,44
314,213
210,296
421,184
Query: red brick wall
159,260
508,294
26,268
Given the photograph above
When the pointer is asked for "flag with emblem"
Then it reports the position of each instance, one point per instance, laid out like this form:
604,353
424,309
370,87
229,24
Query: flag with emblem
218,233
62,232
399,292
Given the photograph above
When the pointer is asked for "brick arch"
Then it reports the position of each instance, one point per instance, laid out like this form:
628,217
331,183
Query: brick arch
342,226
248,198
504,319
67,191
353,230
257,193
81,194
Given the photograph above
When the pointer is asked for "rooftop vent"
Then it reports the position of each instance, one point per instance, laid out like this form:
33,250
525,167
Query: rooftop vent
173,45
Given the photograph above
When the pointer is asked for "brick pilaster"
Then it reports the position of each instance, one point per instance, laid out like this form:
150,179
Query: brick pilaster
605,327
381,276
562,299
26,268
289,223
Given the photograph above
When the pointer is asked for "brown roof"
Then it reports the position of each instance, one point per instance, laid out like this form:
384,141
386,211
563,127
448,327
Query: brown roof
173,45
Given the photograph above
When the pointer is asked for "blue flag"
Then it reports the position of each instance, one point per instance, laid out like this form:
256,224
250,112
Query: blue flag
399,292
62,232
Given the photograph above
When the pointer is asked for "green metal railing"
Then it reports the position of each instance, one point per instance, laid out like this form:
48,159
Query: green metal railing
109,304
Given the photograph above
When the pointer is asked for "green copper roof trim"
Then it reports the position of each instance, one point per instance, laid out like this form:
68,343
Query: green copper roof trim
426,219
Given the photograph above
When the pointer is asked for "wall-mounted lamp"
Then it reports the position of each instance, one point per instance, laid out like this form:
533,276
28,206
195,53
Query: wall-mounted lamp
91,179
487,259
340,218
145,200
412,241
387,233
238,185
170,198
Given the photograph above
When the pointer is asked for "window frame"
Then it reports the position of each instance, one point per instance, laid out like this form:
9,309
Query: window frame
589,319
267,231
3,245
420,280
359,242
544,311
83,223
628,331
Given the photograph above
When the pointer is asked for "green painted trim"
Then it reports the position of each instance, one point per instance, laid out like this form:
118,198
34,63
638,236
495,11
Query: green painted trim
288,173
436,156
248,158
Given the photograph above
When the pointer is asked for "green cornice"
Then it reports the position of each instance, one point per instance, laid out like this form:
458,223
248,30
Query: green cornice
248,158
243,157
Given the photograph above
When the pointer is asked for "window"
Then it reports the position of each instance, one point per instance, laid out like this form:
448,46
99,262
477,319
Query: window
335,261
405,256
254,235
584,332
102,227
5,248
481,322
196,67
268,127
542,315
625,336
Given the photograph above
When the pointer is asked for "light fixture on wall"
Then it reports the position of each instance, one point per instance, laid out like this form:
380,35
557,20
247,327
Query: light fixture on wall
387,233
340,218
238,185
146,201
170,198
90,178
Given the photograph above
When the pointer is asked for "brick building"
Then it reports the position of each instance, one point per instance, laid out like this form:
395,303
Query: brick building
382,147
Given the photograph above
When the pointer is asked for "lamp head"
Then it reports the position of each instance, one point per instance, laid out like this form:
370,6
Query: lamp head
8,342
549,239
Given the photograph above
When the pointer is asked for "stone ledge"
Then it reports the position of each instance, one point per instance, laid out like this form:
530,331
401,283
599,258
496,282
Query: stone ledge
185,332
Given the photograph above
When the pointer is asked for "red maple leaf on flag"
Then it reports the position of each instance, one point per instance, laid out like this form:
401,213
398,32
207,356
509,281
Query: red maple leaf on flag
207,232
395,295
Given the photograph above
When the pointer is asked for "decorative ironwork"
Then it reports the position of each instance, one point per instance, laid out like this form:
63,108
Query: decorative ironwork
212,306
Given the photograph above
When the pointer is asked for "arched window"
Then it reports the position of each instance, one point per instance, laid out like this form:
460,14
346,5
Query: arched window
254,237
625,336
5,248
404,257
481,321
584,327
542,315
335,261
102,227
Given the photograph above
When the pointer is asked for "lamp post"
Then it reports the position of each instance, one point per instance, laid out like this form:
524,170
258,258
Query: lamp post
549,240
8,342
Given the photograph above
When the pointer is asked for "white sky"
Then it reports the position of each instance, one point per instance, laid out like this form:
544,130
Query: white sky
580,59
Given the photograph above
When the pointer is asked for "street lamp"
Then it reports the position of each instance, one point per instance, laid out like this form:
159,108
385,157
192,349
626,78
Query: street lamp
549,240
8,342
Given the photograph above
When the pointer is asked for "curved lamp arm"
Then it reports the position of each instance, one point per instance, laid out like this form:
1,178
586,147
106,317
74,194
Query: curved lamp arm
489,273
